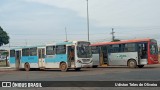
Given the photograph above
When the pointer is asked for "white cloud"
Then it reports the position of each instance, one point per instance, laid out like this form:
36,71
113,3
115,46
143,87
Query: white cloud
134,13
128,17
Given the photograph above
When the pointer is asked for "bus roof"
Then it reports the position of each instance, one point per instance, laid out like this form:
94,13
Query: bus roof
27,47
121,42
68,42
63,43
56,43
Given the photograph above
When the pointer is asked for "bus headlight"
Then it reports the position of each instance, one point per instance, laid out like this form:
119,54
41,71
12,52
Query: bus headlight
91,61
151,58
79,61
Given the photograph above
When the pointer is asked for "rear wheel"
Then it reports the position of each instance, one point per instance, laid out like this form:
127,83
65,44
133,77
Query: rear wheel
27,66
77,69
63,67
140,66
132,63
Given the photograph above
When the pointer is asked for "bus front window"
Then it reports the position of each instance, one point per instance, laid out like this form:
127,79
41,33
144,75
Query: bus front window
154,49
84,50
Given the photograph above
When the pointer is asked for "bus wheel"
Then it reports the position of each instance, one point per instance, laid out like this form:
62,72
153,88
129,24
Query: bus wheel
63,67
140,66
77,69
132,64
27,66
94,66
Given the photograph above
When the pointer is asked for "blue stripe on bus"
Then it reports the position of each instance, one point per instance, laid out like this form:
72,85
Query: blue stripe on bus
29,59
63,43
12,60
56,58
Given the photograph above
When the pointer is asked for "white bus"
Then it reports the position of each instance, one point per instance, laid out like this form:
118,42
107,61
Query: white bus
131,53
64,55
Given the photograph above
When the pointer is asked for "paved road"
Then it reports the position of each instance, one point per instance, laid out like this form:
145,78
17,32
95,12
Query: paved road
148,73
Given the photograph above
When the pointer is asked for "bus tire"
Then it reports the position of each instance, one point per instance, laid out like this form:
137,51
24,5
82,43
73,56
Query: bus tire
140,66
94,66
132,63
77,69
63,67
27,66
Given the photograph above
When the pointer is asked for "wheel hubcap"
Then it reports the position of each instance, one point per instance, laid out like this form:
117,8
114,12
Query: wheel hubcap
132,64
63,66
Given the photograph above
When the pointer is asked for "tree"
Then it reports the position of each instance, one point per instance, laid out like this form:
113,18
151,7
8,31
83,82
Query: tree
4,38
6,53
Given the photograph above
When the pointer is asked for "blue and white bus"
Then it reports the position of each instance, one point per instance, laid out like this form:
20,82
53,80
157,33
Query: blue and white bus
64,55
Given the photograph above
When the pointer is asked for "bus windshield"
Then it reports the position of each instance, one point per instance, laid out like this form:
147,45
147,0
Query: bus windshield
154,49
84,50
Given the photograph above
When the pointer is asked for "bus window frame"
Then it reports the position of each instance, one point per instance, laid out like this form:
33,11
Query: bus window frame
57,50
96,49
31,51
12,55
27,53
53,51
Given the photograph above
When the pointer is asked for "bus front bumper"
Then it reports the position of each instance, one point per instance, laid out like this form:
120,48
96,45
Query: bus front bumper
84,65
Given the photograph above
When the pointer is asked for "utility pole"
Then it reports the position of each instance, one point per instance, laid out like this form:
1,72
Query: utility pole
87,19
9,43
26,42
113,37
66,33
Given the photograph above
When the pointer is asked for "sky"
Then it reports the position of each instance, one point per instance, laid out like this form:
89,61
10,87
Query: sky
37,22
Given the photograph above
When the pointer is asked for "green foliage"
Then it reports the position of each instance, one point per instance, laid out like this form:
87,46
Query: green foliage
5,53
4,38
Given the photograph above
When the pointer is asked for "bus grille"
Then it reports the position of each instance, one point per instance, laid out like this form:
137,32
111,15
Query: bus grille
85,60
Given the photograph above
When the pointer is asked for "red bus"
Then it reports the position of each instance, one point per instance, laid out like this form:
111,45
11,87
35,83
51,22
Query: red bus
132,53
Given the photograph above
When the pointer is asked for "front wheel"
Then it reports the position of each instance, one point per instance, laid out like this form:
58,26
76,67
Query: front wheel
94,66
132,64
63,67
27,66
140,66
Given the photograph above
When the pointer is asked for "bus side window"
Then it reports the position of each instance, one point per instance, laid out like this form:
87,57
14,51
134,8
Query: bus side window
130,47
25,52
33,51
12,53
116,48
95,49
50,50
122,48
61,49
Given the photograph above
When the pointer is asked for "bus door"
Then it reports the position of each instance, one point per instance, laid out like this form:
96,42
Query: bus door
71,56
103,56
142,53
17,58
41,57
